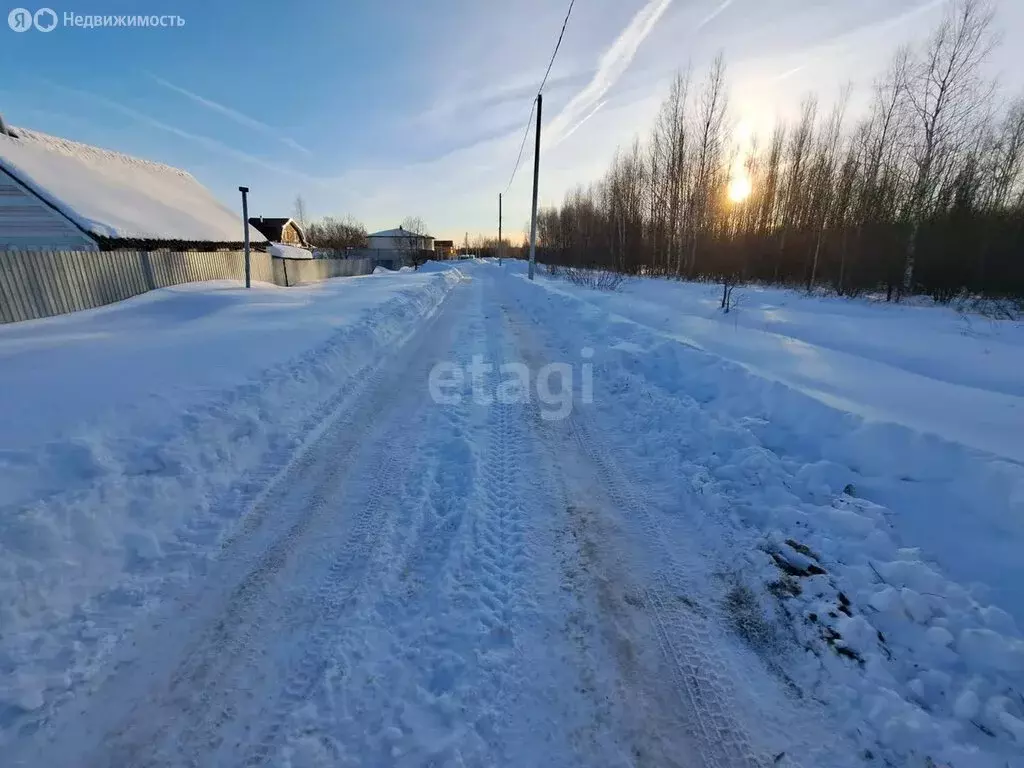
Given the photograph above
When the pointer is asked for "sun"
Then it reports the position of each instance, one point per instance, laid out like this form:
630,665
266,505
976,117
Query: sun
739,189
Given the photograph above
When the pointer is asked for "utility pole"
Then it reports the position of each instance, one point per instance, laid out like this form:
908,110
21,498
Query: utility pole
536,174
245,224
500,245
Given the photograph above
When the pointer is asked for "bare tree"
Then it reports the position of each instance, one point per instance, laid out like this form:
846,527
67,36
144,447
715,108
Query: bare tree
413,244
945,94
767,185
707,171
823,181
1008,157
670,139
336,236
299,212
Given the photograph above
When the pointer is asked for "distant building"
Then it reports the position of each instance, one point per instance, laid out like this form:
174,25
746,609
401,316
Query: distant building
400,240
286,231
59,195
287,240
445,249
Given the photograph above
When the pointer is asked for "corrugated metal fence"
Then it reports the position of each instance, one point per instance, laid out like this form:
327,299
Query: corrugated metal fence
289,272
36,284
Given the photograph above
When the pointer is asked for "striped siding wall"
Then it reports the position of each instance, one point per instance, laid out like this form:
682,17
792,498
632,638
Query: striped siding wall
27,222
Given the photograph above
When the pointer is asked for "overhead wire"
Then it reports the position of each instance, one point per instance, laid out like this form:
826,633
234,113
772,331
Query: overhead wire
533,107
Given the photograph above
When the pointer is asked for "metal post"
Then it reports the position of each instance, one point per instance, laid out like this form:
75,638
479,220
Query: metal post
536,175
245,224
499,229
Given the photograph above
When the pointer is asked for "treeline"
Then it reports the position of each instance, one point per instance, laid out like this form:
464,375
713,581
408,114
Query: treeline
336,235
490,247
923,194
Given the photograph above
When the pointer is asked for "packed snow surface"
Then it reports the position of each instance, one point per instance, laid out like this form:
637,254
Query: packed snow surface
319,526
114,195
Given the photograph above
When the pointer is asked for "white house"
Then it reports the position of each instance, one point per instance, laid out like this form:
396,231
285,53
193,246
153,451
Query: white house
57,194
400,240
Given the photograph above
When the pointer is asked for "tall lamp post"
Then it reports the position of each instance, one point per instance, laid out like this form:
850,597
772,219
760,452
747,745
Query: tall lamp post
245,225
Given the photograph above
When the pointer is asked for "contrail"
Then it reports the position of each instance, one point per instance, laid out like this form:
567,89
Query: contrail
576,127
611,67
233,114
205,141
713,15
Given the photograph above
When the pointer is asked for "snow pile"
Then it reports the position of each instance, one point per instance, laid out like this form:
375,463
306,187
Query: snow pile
100,516
922,668
282,251
113,195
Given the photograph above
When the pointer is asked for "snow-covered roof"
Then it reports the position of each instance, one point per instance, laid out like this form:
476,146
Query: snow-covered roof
116,196
283,251
399,232
273,228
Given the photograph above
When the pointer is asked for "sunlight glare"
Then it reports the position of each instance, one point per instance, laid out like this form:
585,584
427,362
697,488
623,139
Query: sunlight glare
739,189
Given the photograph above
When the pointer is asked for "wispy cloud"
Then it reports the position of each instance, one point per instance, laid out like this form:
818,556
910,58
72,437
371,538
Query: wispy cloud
613,64
470,103
233,114
610,68
205,141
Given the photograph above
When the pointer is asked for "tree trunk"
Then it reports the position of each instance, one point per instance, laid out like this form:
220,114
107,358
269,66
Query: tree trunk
906,286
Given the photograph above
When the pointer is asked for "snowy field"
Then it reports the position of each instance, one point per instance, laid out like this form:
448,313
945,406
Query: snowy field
241,529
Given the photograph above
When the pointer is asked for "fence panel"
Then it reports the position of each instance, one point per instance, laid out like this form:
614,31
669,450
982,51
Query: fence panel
43,284
36,284
11,308
300,271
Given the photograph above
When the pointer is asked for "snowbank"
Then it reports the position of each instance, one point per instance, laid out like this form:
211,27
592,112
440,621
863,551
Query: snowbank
866,537
110,494
114,195
930,369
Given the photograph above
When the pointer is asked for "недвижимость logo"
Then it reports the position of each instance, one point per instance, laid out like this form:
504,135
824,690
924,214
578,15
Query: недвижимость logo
22,19
46,20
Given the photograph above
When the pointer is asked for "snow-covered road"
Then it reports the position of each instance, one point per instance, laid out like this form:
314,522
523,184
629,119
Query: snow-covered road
426,584
468,581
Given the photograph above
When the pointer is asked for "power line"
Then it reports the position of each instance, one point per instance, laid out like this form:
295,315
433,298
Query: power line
529,124
533,107
557,46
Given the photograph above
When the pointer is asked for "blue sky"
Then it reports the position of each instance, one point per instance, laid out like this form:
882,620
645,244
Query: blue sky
395,108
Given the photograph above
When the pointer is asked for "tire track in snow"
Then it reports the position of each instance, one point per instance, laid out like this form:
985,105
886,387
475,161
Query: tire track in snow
648,428
352,563
685,639
431,663
434,477
620,712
